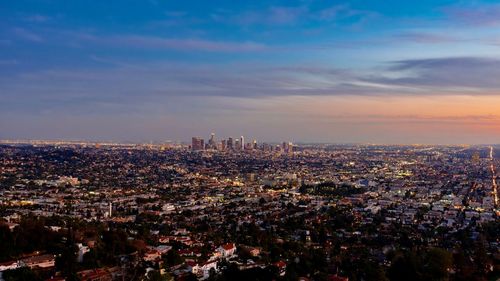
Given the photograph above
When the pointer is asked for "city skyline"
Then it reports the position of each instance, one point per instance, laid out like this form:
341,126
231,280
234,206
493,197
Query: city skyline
306,71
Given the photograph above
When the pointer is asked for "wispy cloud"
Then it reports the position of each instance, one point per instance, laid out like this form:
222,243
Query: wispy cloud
476,15
276,15
124,84
37,18
25,34
9,62
427,38
344,11
469,119
186,44
467,74
156,42
292,15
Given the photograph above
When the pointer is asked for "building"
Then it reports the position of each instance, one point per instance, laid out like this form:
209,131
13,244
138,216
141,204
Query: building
8,265
197,143
227,250
99,274
42,261
223,145
212,142
82,250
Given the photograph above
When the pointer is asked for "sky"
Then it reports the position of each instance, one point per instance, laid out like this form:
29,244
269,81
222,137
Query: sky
368,71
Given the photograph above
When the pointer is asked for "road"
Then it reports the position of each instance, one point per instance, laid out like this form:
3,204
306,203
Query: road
494,178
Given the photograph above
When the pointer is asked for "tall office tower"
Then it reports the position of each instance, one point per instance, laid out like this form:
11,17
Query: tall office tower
223,145
254,145
230,143
266,147
197,143
211,142
242,142
290,148
194,143
237,145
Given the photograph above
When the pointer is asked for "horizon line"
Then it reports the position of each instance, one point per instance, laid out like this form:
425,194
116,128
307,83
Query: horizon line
165,142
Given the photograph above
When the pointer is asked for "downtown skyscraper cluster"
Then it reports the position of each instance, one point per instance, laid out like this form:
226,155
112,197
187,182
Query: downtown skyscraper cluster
237,144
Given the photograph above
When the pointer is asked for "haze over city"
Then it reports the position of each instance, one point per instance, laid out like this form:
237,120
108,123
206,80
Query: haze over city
222,140
307,71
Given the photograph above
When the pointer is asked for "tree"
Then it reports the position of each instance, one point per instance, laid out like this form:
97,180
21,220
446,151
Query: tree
172,258
404,267
66,262
154,275
21,274
438,261
7,250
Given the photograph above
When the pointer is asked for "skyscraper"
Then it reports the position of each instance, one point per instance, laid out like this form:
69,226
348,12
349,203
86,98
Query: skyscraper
230,143
242,142
237,145
212,142
223,145
197,143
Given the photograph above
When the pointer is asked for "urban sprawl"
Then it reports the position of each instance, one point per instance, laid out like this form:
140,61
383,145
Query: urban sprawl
242,210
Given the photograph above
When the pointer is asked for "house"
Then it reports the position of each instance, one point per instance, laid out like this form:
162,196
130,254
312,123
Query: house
337,278
215,255
253,251
8,265
56,279
10,225
281,265
186,240
206,268
201,270
192,267
152,255
42,261
82,250
100,274
163,249
227,250
186,252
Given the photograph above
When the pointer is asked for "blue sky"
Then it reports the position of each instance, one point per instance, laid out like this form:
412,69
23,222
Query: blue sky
298,70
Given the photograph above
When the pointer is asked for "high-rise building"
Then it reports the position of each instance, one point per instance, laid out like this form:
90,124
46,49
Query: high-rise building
254,144
248,146
287,147
223,145
242,142
197,143
230,143
237,145
212,142
266,147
